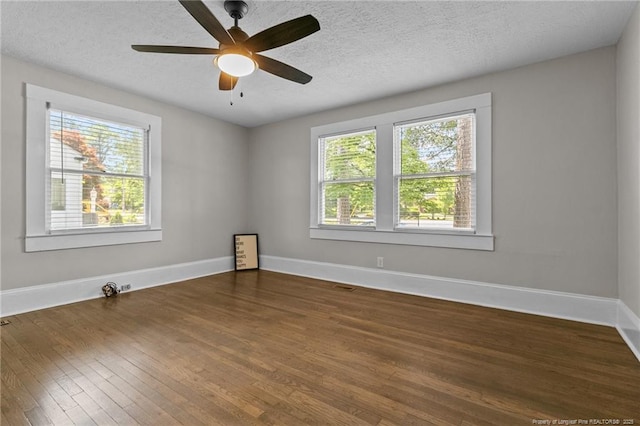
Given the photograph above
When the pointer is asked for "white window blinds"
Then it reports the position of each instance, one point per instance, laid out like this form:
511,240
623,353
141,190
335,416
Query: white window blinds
435,178
347,181
97,172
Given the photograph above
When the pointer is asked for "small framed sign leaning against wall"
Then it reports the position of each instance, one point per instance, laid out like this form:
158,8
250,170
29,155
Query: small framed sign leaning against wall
246,252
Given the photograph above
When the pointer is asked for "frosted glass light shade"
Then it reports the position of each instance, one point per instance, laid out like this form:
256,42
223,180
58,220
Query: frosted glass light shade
235,64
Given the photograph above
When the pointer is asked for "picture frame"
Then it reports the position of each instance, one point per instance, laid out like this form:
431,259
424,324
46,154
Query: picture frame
246,252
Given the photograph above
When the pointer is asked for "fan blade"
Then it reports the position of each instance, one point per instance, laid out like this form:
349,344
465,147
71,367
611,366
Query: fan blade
175,49
282,34
227,82
203,15
281,69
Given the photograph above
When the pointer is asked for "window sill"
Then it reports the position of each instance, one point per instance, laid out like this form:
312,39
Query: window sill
450,240
68,241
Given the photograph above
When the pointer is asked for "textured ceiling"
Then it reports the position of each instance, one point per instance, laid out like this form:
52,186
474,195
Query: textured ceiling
365,49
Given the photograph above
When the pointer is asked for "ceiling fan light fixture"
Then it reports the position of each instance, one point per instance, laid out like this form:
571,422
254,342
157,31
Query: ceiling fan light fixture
238,55
235,64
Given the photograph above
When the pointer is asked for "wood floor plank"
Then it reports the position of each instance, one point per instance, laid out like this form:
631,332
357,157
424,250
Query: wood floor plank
13,388
13,412
49,406
80,417
35,378
262,348
38,417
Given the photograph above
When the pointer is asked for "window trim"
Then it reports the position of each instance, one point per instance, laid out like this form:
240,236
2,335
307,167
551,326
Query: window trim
321,169
37,237
385,231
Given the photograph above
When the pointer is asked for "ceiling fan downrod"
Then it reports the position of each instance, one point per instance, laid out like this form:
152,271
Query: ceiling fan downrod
236,9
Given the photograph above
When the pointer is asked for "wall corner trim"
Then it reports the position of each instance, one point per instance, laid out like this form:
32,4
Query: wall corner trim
570,306
628,325
17,301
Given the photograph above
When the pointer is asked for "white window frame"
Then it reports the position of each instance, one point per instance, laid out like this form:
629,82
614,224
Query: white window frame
321,159
385,230
38,237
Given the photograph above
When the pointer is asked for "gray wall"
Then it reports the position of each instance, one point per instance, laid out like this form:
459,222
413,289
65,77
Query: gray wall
204,187
554,199
628,69
554,179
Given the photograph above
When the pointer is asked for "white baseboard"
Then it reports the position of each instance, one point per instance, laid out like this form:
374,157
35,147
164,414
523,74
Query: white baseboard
570,306
591,309
61,293
629,328
576,307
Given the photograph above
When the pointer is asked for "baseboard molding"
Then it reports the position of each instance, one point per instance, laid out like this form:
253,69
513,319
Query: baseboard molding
629,328
570,306
596,310
576,307
32,298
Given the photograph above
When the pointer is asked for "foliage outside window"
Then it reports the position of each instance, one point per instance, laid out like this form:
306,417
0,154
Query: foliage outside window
348,183
420,176
101,165
93,173
435,183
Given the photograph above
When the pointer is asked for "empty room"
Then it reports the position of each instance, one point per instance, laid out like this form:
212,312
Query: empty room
320,212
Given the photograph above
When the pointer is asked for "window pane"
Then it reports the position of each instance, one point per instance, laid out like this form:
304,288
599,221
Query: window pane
84,155
99,201
436,146
85,143
437,202
350,156
122,198
348,204
58,194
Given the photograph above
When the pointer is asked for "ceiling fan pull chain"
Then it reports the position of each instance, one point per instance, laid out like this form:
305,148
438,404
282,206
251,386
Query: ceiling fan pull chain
232,91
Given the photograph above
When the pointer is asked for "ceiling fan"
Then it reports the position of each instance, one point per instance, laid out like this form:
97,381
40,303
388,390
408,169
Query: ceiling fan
237,54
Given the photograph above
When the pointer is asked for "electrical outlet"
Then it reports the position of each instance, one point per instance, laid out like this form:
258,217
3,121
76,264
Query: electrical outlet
380,262
125,287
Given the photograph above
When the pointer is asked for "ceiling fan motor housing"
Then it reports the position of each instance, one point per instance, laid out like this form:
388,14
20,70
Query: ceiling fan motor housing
236,8
237,34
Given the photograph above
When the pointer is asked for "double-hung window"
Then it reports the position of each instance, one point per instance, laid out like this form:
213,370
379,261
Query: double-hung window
347,184
435,173
420,176
93,173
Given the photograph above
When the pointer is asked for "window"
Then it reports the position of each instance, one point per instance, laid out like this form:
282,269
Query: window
93,173
347,185
435,178
420,176
99,167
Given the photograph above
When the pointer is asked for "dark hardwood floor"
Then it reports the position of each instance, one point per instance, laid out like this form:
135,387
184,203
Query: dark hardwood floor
258,347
